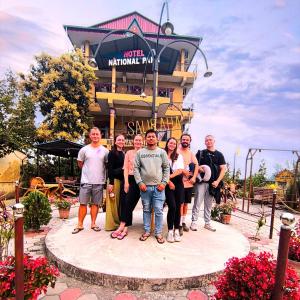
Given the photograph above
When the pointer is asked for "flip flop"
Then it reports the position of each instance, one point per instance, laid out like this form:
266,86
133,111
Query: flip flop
76,230
115,234
144,236
160,239
96,228
122,235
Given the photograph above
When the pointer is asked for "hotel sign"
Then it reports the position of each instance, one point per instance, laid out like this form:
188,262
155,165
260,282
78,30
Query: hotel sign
163,124
129,58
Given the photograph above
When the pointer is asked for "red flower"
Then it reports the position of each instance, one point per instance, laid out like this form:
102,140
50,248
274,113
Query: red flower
38,274
252,277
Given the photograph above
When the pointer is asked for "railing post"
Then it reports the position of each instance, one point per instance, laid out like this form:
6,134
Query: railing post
273,214
18,210
287,220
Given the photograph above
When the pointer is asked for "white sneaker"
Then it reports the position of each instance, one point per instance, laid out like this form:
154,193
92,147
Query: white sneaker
193,226
170,237
209,227
177,237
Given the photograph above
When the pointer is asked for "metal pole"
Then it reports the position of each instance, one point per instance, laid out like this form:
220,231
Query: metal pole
17,191
233,175
155,72
60,187
283,248
245,180
250,195
19,246
272,214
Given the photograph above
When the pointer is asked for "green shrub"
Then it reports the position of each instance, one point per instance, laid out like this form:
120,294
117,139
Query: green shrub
37,210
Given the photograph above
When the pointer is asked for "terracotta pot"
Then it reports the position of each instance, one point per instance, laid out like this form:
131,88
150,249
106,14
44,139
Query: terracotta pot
225,219
64,213
295,265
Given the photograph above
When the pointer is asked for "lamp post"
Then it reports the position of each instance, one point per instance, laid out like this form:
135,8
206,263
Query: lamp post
167,29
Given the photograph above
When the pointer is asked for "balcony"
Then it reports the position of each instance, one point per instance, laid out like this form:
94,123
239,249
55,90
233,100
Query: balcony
130,89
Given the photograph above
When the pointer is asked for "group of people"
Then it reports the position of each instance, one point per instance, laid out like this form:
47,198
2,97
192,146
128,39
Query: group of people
155,175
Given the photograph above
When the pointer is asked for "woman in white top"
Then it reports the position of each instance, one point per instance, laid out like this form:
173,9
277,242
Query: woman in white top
174,190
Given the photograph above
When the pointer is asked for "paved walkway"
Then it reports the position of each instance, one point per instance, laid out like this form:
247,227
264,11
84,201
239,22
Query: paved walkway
68,288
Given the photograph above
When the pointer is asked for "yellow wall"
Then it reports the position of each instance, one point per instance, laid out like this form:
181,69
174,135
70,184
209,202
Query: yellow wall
10,167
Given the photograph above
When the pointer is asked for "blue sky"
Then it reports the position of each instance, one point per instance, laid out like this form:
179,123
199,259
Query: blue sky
252,47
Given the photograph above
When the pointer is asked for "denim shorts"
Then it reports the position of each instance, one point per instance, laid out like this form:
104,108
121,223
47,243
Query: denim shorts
91,193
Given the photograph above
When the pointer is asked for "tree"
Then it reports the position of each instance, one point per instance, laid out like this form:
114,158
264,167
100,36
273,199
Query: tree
61,88
259,178
17,129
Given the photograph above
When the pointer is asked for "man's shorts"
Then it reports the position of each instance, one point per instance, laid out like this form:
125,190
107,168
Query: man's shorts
91,193
188,195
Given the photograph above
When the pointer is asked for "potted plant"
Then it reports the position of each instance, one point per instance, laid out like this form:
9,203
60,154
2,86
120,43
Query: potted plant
226,209
37,210
222,212
64,206
38,274
253,277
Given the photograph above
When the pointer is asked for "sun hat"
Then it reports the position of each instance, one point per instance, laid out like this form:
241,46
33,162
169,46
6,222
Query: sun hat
204,176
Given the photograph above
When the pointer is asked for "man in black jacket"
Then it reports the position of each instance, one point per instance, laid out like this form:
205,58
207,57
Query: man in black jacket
207,190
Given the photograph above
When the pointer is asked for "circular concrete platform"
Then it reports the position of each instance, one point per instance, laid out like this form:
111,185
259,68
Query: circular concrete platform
96,258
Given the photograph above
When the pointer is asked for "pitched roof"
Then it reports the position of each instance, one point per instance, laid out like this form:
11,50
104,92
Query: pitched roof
124,22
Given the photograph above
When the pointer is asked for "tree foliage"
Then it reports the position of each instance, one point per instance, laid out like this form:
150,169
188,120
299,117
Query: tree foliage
259,178
61,88
17,114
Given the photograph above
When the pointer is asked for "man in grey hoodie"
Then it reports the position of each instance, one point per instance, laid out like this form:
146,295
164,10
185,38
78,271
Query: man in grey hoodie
151,173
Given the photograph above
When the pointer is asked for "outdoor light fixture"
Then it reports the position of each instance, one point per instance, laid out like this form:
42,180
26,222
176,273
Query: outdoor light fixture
287,219
92,62
167,28
18,211
207,73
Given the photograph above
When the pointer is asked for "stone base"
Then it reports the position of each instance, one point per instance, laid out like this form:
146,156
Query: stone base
96,258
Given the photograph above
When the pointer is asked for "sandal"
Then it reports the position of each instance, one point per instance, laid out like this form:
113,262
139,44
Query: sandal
96,228
122,235
76,230
115,234
160,239
144,236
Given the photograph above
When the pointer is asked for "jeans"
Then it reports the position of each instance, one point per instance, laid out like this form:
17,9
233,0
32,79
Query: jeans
202,193
153,199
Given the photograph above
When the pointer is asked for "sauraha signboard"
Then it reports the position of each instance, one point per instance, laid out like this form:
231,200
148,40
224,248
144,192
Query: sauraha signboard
129,58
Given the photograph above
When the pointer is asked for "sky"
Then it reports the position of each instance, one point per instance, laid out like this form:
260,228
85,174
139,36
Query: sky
252,47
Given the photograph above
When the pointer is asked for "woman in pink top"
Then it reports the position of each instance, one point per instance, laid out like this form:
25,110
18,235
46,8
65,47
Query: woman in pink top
131,189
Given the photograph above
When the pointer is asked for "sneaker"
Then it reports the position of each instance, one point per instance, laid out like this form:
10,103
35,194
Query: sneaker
180,230
193,226
177,237
209,227
185,228
170,237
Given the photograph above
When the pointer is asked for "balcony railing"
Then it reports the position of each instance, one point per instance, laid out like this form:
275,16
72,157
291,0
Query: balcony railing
124,88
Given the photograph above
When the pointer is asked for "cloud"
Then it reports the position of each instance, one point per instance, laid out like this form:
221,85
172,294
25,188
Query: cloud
21,39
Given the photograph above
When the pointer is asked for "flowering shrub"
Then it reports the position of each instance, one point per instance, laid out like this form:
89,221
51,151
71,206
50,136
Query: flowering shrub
253,277
38,274
294,246
227,208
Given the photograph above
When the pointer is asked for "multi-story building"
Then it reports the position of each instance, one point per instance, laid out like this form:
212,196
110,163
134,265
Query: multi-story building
123,92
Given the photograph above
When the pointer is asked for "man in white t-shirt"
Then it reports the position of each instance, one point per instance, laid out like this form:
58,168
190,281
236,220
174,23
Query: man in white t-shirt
92,160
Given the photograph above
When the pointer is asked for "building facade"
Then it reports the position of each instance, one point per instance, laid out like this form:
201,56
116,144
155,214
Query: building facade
122,96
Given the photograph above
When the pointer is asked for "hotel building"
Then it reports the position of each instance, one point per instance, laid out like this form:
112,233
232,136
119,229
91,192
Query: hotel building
122,96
